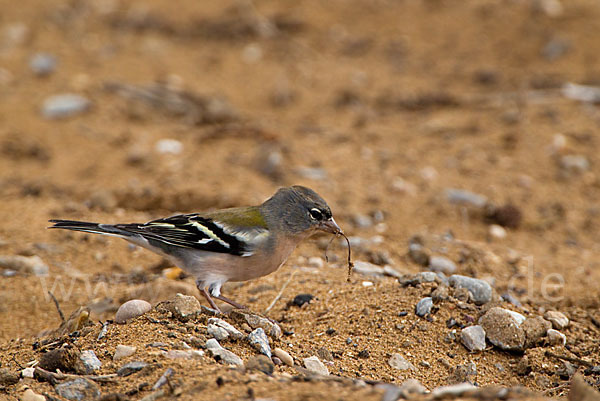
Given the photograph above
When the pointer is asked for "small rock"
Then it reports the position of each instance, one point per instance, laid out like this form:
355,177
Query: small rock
8,377
284,356
123,351
575,163
79,389
28,373
442,264
473,337
65,358
314,365
131,309
258,339
463,373
510,298
452,391
390,271
25,264
260,363
497,231
459,196
440,293
272,329
555,337
217,332
131,367
169,146
42,64
315,261
558,319
221,354
424,306
426,277
397,361
30,395
368,269
183,307
418,254
502,329
64,105
581,391
90,361
302,299
479,289
535,328
232,331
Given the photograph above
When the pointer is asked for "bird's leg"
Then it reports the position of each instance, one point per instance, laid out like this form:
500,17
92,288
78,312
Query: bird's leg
230,302
212,303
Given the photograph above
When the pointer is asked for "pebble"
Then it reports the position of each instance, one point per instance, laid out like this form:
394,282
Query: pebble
424,306
168,146
64,105
8,377
453,390
272,329
30,395
558,319
575,163
418,254
555,337
90,361
79,389
497,231
368,269
397,361
123,351
535,328
258,339
25,264
480,290
459,196
232,331
131,367
28,372
426,277
132,309
390,271
163,379
42,64
315,261
502,329
221,354
216,332
442,264
473,337
315,365
284,356
260,363
183,307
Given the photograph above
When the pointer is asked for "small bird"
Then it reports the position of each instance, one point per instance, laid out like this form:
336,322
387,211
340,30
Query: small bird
235,244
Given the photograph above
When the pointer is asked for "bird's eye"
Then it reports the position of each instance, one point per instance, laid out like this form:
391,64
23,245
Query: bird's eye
316,214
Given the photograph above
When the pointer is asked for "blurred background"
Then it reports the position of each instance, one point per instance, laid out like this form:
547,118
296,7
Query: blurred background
418,120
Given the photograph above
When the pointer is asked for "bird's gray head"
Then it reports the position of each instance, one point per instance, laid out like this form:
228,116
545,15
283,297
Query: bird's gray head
301,210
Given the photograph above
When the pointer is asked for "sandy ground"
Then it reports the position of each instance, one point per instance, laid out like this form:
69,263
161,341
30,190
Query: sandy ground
379,106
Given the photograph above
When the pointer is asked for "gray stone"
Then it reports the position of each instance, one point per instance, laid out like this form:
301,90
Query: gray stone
558,319
216,332
258,339
555,337
131,367
441,264
132,309
390,271
502,329
90,361
25,264
79,389
123,351
453,390
397,361
64,105
368,269
42,64
223,355
459,196
426,277
473,337
183,307
424,306
271,328
284,356
315,365
479,289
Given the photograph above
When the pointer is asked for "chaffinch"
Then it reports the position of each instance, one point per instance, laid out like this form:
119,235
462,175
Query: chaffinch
236,244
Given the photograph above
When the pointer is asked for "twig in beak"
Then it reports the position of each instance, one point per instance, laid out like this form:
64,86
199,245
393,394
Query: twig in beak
350,264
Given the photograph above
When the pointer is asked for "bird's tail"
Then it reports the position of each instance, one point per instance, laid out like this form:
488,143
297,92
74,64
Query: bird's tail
87,227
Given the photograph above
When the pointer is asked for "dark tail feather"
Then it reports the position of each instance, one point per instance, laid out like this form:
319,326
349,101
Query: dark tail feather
94,228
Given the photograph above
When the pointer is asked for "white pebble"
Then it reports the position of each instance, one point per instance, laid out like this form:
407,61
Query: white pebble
169,146
316,261
123,351
497,231
284,356
315,365
555,337
131,309
367,283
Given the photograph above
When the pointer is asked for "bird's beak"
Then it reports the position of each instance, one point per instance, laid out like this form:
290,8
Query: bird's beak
330,226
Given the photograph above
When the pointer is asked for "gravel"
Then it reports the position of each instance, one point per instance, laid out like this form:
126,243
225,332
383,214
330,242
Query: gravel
480,290
473,337
558,319
424,306
258,339
123,351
